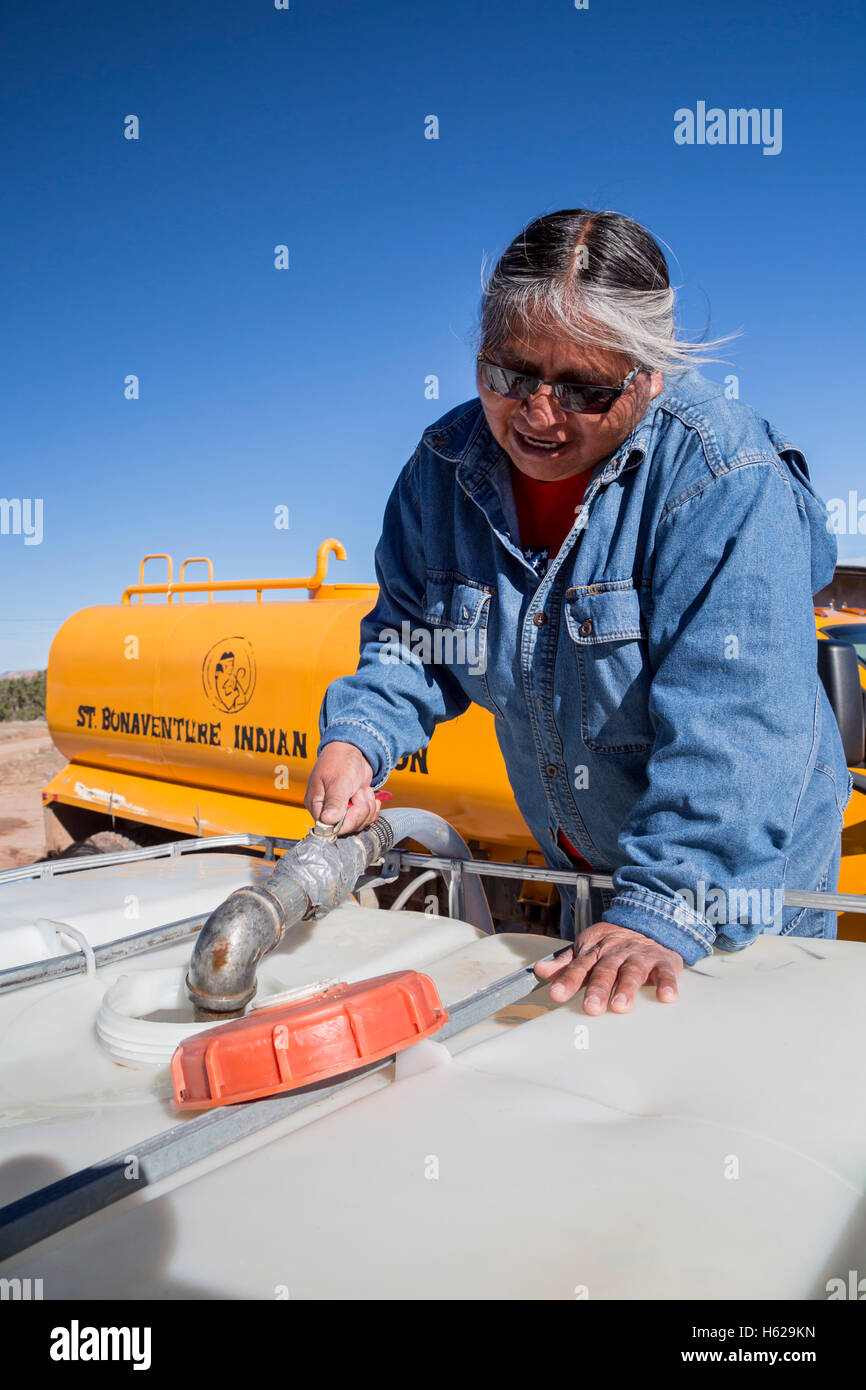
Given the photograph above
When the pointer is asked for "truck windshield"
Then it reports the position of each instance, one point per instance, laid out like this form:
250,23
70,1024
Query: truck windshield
855,633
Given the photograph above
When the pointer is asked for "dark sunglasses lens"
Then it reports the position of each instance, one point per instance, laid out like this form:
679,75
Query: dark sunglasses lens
582,400
505,382
587,400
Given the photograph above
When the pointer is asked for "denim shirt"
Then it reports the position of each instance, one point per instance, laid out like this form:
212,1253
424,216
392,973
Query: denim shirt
655,692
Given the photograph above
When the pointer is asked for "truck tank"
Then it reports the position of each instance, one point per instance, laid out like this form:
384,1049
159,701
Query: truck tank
188,712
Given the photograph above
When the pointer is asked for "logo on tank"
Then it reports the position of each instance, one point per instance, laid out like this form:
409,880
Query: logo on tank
228,674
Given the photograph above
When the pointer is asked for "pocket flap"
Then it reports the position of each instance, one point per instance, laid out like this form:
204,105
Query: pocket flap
453,601
604,613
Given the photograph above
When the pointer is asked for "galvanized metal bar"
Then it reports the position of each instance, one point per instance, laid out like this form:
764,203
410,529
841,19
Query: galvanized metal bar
405,859
484,1003
36,972
50,868
456,895
582,906
395,861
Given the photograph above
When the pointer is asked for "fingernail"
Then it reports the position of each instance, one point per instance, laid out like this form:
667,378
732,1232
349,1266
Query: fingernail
619,999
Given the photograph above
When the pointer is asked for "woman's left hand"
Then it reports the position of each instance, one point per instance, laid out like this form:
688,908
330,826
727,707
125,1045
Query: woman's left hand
613,962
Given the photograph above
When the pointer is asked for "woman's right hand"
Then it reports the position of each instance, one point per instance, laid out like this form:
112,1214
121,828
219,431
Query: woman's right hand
342,774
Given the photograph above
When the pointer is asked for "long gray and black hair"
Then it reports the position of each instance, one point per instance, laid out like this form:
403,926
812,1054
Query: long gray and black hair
592,278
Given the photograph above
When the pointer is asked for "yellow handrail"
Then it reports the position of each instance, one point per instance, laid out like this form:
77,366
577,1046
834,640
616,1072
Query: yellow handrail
157,555
196,560
212,586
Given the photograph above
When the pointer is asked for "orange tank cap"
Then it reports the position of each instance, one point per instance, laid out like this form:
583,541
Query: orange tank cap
291,1045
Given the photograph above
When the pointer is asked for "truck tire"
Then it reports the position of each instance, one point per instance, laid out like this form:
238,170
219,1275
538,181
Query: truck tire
101,842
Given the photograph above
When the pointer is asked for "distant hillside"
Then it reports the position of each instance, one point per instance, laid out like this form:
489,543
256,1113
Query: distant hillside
22,695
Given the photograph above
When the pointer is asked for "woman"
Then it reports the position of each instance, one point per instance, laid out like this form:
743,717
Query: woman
634,557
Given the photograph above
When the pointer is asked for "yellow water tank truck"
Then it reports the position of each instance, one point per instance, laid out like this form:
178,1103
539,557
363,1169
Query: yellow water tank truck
192,708
185,712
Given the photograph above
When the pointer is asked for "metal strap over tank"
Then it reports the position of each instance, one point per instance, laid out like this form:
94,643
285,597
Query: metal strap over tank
36,972
64,1203
397,859
172,849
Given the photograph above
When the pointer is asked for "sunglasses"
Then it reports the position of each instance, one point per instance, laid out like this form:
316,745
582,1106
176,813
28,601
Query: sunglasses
575,396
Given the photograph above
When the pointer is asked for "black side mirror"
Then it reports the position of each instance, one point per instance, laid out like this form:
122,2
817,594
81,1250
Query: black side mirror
839,670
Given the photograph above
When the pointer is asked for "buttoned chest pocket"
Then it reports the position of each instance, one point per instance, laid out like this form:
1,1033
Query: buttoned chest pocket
457,611
606,629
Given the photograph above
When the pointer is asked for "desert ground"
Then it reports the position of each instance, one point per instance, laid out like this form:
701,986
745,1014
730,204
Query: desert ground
28,759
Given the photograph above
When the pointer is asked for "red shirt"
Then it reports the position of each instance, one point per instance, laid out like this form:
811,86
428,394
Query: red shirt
545,515
545,510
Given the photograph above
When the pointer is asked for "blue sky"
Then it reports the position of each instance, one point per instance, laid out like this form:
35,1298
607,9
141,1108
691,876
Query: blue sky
306,387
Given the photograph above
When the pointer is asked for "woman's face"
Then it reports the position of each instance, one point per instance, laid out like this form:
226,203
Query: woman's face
581,441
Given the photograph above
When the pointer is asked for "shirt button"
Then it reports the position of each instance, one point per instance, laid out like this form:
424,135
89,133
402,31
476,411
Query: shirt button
586,627
551,769
540,619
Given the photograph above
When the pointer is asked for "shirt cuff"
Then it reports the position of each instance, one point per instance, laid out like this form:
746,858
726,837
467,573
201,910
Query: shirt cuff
669,921
367,740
